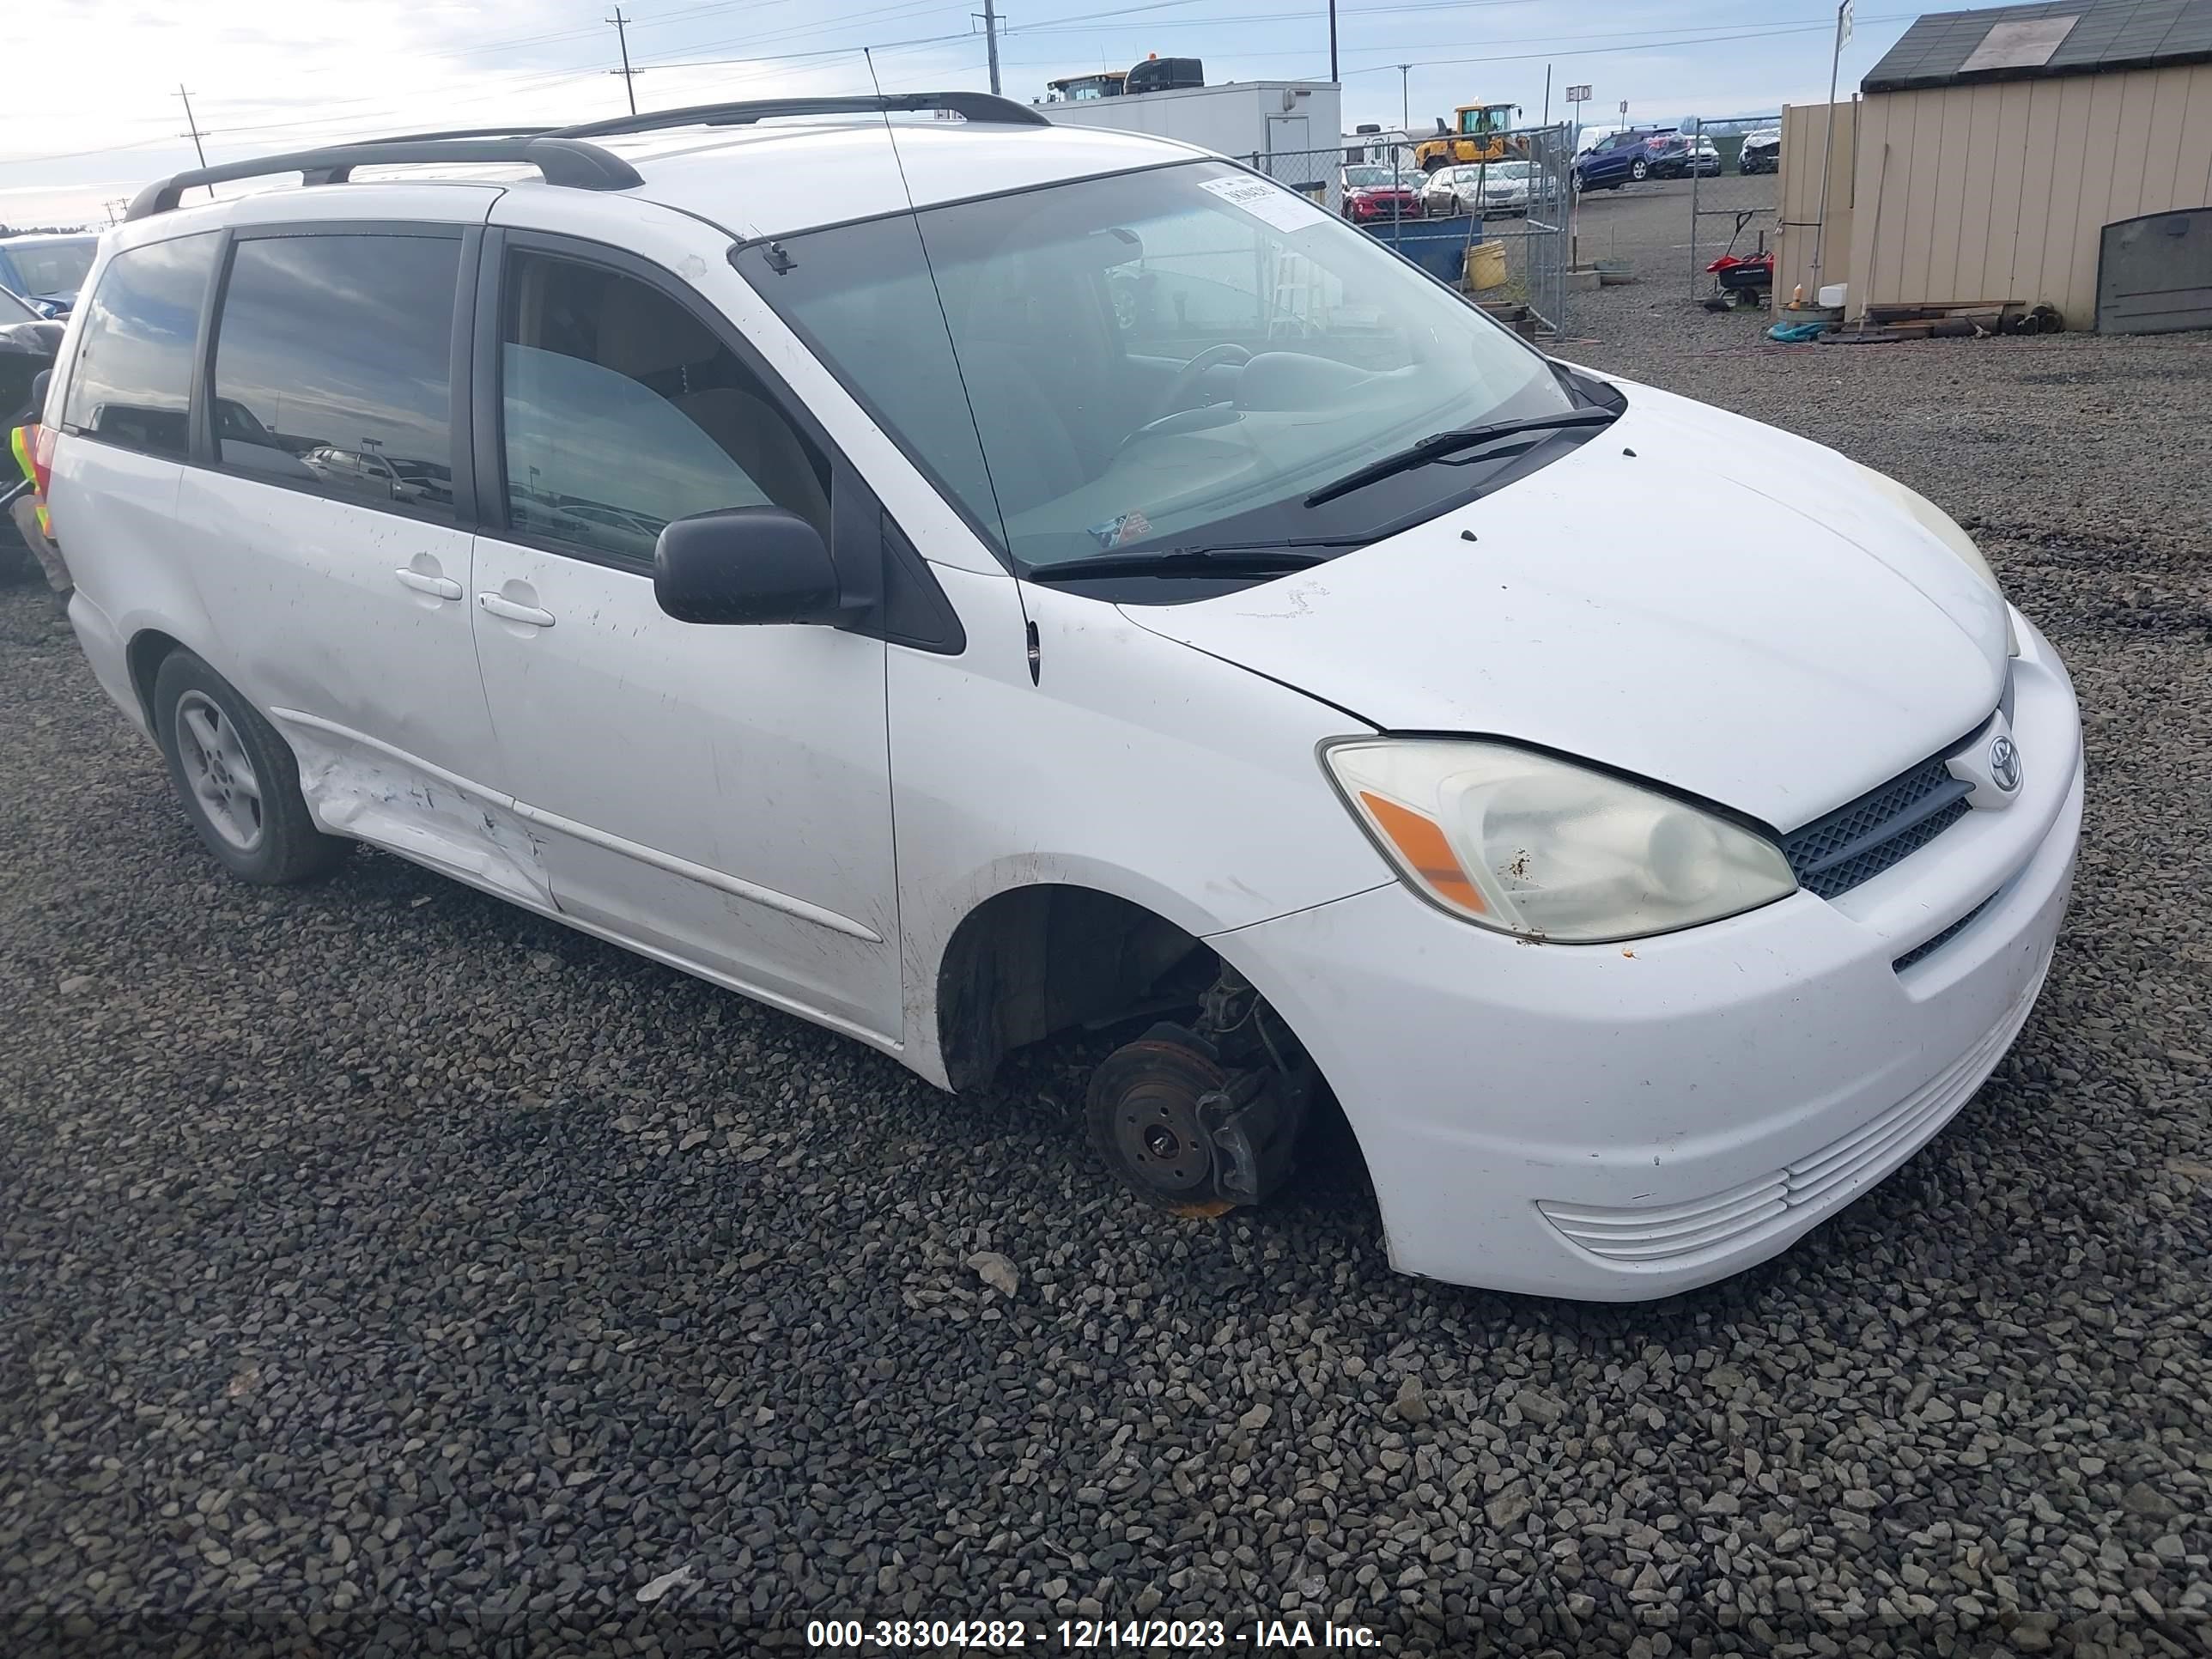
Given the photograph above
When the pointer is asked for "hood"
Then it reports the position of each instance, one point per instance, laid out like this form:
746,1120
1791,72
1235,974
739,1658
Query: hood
1731,611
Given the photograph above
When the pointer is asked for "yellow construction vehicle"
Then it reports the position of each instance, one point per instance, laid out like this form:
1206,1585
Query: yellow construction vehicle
1478,132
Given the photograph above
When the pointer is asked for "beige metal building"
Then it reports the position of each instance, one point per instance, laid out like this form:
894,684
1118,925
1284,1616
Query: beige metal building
1989,149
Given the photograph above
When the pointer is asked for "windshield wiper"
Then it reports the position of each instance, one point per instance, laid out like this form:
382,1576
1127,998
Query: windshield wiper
1438,445
1221,559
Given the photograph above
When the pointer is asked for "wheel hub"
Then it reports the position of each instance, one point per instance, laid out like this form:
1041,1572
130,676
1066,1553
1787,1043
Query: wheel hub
1144,1121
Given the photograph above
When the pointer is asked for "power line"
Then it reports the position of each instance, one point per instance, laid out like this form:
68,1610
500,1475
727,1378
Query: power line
628,74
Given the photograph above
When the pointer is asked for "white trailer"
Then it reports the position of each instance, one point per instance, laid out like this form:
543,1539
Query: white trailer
1289,130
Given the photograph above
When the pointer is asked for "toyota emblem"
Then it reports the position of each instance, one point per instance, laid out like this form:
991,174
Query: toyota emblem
2004,764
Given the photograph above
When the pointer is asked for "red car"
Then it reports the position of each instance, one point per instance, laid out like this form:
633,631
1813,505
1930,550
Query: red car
1382,192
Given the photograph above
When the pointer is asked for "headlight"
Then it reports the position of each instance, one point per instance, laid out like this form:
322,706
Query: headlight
1945,529
1521,842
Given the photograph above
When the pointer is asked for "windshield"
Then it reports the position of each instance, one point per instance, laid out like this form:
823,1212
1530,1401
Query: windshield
51,268
1153,359
1378,177
1511,173
13,310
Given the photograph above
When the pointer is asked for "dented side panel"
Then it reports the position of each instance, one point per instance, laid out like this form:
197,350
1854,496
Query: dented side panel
475,834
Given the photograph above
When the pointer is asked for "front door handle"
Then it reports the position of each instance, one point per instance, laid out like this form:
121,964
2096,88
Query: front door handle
510,611
443,587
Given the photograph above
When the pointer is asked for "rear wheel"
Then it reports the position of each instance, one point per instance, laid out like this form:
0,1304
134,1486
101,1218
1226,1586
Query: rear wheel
236,779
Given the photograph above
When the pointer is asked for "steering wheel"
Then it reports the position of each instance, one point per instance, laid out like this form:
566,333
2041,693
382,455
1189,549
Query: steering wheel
1185,382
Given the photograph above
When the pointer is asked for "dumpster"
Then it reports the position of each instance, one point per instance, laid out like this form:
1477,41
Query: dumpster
1438,245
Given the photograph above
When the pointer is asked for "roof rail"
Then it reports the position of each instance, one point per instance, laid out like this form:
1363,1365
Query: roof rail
979,106
559,153
460,132
560,159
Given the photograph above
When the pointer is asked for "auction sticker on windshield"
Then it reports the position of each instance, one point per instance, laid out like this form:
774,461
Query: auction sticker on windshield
1270,202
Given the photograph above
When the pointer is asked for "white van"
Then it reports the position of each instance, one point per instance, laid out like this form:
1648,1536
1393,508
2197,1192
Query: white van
1058,577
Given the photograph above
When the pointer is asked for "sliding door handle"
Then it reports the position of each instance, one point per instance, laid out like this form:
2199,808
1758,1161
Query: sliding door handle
442,587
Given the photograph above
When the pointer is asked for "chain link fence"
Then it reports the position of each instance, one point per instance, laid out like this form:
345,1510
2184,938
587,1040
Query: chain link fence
1734,195
1495,230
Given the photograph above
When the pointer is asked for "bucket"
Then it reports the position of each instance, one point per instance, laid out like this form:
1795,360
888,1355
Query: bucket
1485,265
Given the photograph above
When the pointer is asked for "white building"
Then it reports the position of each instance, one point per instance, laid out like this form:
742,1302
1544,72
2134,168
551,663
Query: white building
1288,129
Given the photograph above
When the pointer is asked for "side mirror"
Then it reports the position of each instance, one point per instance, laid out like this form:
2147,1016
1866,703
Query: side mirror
744,564
39,381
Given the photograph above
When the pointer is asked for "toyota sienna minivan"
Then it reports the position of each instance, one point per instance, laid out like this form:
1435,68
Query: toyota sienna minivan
1059,579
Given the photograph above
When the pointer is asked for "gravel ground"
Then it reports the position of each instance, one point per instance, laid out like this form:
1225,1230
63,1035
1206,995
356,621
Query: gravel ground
382,1269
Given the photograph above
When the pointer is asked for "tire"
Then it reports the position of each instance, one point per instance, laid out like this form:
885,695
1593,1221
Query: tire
236,778
1637,171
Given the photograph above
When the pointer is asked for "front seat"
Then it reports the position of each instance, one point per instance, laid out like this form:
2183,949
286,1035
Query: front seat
651,338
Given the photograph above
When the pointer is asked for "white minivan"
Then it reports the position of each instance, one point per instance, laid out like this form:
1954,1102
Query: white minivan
1059,579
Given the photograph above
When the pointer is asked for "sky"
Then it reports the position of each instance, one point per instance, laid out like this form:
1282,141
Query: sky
98,115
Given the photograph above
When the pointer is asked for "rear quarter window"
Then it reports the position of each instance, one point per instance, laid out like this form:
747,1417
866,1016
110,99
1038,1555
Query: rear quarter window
131,382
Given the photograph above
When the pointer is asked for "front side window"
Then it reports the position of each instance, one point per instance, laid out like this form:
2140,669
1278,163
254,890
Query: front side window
333,365
621,411
131,381
1152,360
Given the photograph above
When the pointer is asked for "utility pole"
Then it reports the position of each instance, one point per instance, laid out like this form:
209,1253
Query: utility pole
193,132
628,74
1548,94
1828,141
1331,40
1404,101
990,39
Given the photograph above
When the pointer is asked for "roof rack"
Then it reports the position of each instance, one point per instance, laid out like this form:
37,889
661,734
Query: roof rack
461,132
561,153
979,106
562,160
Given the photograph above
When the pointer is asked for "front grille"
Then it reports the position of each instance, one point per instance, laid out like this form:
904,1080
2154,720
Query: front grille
1859,840
1928,947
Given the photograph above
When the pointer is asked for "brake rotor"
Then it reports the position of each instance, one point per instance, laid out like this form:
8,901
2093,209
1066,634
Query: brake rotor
1144,1121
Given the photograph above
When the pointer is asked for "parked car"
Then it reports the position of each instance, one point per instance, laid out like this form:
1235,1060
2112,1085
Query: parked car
1618,159
27,348
1491,188
28,343
1382,192
47,269
1761,152
1679,154
1650,826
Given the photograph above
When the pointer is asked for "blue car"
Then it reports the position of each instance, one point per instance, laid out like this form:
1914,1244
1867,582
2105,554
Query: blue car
1623,158
47,269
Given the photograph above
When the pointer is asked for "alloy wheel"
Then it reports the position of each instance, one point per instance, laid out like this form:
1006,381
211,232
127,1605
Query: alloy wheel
222,775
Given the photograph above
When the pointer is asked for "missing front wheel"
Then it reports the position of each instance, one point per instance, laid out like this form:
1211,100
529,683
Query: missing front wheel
1197,1119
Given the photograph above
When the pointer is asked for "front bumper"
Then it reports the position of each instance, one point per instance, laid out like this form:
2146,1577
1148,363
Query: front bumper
1623,1122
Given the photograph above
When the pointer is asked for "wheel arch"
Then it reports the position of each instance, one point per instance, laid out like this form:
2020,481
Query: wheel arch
1031,960
143,658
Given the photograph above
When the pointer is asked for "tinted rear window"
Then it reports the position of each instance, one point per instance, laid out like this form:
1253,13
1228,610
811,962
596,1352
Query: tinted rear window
132,378
333,368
